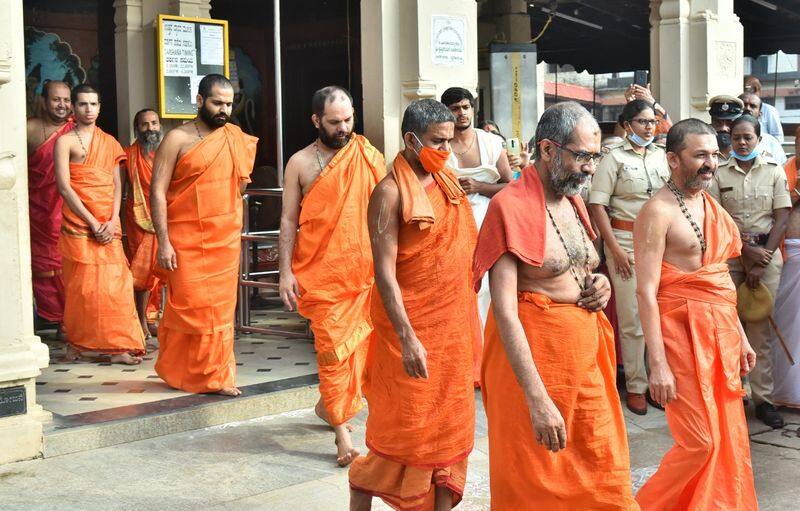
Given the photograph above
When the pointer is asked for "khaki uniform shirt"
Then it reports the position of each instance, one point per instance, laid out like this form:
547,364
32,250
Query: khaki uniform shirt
751,197
625,180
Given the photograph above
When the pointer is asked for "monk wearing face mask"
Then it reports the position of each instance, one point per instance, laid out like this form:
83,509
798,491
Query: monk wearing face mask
420,389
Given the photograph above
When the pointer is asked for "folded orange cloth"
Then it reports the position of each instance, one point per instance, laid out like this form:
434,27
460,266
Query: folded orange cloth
709,467
99,314
332,263
204,215
515,222
405,487
44,208
425,423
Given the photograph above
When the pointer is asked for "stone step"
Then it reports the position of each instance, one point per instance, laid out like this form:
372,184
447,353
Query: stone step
114,426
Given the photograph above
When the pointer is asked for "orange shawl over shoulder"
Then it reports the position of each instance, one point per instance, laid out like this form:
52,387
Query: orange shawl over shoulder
790,167
44,207
573,350
428,424
138,222
332,262
709,466
99,314
204,215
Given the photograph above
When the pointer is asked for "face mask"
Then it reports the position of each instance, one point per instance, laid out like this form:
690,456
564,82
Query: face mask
747,157
432,160
723,140
636,139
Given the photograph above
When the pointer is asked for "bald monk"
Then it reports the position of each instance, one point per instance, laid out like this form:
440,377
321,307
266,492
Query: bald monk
421,420
557,437
99,313
695,342
326,267
199,173
139,228
45,202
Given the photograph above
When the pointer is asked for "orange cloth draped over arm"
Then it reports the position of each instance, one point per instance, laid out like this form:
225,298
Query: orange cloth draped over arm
573,350
139,229
420,431
99,314
204,215
790,167
44,207
709,466
332,262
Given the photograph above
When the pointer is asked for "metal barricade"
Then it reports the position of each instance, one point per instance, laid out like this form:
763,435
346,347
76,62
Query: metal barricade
249,279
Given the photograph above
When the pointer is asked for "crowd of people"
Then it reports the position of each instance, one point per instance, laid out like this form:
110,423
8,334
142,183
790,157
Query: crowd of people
464,264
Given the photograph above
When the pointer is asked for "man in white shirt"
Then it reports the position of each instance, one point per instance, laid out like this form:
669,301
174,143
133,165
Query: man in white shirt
769,144
770,118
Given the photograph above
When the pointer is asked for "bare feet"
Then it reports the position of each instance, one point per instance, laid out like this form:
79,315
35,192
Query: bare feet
126,358
229,391
344,445
60,333
72,354
322,413
152,329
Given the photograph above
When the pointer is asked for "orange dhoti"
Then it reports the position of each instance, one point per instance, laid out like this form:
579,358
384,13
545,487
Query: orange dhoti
204,215
573,350
709,466
420,431
332,263
99,314
139,230
45,204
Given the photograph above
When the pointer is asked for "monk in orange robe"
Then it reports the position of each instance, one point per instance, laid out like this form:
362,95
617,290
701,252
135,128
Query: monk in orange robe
99,313
45,202
696,345
326,266
791,167
199,173
421,422
139,228
557,438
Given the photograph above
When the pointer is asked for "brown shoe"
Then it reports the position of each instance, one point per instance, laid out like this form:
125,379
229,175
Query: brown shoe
636,403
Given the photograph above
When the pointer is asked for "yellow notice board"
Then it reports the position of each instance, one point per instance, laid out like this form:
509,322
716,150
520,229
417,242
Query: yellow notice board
188,50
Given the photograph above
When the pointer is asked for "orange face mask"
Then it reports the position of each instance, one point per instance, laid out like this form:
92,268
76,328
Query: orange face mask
432,160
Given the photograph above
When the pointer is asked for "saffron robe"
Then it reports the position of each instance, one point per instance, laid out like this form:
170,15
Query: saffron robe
709,466
204,217
99,313
332,263
44,207
421,431
138,222
573,350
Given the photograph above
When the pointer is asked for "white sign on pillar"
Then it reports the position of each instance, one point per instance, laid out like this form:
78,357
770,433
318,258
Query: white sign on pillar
449,40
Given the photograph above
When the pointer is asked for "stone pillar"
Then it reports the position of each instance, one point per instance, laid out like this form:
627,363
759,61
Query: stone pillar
699,46
135,35
22,355
398,65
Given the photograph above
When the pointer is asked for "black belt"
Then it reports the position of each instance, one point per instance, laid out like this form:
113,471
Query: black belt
755,238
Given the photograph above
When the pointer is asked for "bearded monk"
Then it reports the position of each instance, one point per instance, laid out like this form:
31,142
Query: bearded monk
99,313
557,437
45,202
421,420
696,345
199,174
138,222
326,266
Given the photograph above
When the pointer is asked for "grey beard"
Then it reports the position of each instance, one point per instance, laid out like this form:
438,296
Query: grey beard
563,183
149,140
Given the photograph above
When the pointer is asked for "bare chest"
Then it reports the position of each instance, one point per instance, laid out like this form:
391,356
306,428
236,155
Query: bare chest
683,248
468,154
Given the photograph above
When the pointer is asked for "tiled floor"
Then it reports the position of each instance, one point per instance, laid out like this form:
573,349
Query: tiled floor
87,386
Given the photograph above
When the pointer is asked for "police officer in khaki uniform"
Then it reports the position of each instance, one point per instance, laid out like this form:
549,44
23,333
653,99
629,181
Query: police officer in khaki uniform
753,189
724,109
625,179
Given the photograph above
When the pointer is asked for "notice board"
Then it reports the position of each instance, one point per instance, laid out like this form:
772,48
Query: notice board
188,50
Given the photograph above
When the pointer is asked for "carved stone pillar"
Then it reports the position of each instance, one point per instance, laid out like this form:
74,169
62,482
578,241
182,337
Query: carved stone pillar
22,355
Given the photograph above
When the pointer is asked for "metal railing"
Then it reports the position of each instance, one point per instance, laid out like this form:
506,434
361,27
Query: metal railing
252,241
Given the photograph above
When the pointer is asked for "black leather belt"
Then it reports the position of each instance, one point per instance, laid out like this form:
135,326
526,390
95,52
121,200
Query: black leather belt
755,238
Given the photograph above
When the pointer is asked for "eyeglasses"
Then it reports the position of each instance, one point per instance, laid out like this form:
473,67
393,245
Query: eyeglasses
581,157
646,122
